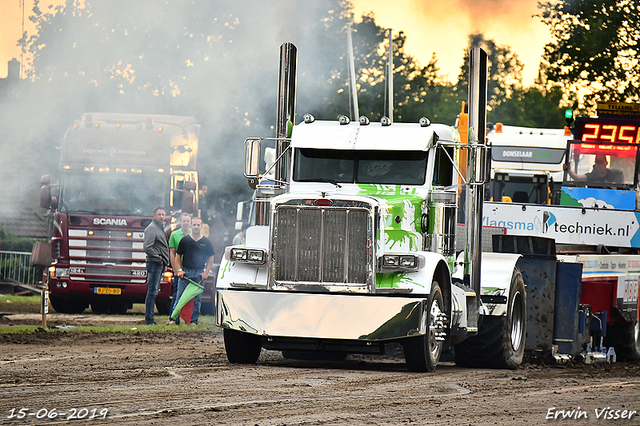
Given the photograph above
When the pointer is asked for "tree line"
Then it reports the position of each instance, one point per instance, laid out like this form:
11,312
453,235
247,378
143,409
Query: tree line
217,61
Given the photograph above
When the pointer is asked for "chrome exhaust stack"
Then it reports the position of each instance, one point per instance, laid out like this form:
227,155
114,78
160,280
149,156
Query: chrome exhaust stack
476,168
285,119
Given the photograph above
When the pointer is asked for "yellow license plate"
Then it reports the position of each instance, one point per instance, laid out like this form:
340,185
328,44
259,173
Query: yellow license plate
107,290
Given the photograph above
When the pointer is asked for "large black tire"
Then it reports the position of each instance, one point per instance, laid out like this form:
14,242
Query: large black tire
500,340
422,353
100,307
119,307
625,338
242,348
163,306
114,307
67,305
208,308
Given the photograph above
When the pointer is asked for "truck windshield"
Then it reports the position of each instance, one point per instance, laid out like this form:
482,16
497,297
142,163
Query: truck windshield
112,193
520,189
602,165
381,167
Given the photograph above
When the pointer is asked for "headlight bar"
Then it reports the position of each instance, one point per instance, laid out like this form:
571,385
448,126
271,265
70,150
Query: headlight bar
246,255
402,261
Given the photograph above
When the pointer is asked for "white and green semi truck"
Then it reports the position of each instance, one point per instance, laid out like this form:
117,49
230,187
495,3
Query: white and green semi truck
352,244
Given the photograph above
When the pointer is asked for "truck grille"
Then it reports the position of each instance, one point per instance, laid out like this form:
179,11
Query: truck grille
321,245
92,255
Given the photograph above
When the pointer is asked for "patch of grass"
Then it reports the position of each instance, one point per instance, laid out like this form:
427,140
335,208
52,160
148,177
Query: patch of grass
19,304
13,304
206,324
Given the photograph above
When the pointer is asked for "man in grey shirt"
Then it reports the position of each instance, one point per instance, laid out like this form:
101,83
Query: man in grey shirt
156,247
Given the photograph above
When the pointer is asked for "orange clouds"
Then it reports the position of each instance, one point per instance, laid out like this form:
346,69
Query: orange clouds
443,28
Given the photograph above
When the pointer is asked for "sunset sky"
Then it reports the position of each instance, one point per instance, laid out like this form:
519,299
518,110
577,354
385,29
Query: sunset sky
440,27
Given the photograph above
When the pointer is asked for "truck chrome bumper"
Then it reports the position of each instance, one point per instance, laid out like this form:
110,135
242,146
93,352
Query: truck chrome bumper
324,316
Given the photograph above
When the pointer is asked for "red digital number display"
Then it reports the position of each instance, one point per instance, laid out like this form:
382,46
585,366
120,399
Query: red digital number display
608,131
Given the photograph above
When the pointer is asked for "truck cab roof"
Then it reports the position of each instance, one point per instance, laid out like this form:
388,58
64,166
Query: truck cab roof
373,136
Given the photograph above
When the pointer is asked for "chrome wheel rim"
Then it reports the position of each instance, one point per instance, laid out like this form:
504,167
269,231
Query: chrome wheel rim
436,328
517,321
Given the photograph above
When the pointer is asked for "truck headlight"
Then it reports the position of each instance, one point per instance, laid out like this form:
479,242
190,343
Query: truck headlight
401,261
62,272
241,254
408,261
390,261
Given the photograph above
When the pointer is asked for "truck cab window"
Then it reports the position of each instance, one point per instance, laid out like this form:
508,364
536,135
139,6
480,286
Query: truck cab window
322,165
378,167
611,166
443,169
110,193
392,168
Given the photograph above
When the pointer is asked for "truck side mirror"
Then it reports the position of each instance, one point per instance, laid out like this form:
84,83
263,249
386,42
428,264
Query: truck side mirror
45,196
188,206
487,165
252,157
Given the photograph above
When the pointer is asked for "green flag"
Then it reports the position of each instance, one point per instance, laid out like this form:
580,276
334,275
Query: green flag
192,290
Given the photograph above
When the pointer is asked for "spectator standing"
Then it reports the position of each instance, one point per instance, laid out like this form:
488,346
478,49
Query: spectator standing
240,238
202,201
156,248
194,260
174,239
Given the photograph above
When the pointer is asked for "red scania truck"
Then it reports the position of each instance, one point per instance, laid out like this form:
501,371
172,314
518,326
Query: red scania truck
114,170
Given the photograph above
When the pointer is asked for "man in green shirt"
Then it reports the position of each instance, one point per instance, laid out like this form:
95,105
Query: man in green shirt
174,241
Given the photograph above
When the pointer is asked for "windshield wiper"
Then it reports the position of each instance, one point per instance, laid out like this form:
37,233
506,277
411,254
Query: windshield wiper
321,180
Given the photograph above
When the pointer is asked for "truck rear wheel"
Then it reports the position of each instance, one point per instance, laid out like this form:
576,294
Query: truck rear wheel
241,348
625,338
500,340
422,353
67,305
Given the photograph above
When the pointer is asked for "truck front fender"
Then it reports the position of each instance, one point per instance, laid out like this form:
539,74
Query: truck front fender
495,281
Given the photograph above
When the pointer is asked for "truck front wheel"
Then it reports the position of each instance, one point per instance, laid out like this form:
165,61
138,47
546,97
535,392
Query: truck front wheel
422,353
163,306
500,340
67,305
626,339
241,348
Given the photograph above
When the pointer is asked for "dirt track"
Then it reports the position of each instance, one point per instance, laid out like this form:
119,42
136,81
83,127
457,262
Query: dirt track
185,379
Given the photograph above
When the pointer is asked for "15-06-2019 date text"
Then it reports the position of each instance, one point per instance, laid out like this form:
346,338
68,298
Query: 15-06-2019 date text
54,413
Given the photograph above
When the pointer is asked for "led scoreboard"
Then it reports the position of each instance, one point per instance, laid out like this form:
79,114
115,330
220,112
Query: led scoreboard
608,130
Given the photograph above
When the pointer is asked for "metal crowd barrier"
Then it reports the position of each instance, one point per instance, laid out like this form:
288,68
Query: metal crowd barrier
16,266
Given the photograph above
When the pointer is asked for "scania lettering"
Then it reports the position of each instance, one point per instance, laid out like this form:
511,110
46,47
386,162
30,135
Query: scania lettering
120,222
114,170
